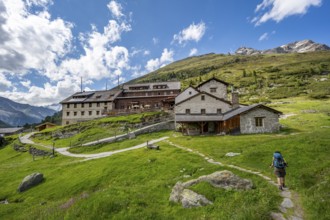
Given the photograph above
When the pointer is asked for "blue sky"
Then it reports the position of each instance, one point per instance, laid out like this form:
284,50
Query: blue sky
47,46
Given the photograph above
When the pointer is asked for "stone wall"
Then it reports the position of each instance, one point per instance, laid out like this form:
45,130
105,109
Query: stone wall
270,121
221,89
189,92
210,104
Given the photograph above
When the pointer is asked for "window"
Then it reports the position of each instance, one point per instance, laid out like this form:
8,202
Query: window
219,111
90,105
187,111
99,96
105,103
82,105
68,105
68,113
90,113
97,112
67,122
82,113
75,113
189,92
98,104
203,111
203,97
75,105
259,121
213,90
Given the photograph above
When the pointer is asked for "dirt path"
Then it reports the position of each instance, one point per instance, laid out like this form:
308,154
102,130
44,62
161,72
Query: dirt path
64,151
289,207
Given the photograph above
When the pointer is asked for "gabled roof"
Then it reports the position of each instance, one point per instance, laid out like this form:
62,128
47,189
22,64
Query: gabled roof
170,86
92,96
190,86
204,93
246,109
213,78
46,123
10,130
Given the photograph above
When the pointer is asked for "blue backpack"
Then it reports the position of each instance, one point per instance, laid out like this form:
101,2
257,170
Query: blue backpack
278,161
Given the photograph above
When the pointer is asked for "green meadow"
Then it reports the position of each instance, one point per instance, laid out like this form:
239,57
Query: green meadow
137,184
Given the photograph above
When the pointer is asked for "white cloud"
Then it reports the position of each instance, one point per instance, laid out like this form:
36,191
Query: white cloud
31,41
194,32
101,58
4,83
34,42
166,58
277,10
264,36
26,83
155,40
48,94
193,52
146,52
116,9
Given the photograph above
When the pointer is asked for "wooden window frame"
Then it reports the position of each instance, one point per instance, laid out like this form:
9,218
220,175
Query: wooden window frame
259,121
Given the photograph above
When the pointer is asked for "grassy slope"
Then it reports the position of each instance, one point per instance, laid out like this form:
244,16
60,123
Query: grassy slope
93,130
137,184
134,185
305,146
258,78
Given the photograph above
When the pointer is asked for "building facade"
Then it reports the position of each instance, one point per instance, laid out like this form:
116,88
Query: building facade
159,95
206,109
83,106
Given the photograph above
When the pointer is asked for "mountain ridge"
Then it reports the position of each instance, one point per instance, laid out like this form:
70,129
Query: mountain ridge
302,46
17,114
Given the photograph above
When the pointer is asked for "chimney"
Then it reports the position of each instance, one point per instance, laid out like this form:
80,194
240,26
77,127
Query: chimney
234,100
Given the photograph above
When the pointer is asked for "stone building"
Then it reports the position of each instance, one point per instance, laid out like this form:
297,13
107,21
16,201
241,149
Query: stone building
206,109
83,106
158,95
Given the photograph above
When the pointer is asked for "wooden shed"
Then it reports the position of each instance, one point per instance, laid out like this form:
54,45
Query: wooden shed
45,126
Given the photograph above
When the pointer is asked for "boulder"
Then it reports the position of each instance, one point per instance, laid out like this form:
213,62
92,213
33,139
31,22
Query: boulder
152,146
221,179
191,199
176,192
228,180
30,181
131,135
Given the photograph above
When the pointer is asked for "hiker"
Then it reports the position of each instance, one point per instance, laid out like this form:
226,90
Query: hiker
279,165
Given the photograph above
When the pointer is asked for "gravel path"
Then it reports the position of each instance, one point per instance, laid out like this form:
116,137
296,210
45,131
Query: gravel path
64,151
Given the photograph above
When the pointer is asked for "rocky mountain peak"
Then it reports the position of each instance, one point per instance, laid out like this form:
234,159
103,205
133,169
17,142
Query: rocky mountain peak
302,46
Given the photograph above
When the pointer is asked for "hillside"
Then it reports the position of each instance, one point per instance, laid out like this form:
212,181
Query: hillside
261,77
137,184
17,114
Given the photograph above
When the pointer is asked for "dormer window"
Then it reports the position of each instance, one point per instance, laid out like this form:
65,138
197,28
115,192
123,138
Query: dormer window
99,96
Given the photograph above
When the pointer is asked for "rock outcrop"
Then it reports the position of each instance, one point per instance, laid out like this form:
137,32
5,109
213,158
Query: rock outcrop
30,181
221,179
